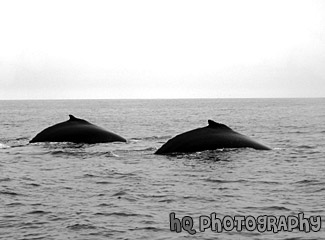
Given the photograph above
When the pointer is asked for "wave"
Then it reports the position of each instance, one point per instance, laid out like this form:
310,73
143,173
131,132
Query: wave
14,142
319,190
154,229
4,146
224,181
82,154
6,179
309,182
11,193
14,204
270,208
305,147
122,214
22,139
143,149
103,182
278,208
150,138
38,212
79,226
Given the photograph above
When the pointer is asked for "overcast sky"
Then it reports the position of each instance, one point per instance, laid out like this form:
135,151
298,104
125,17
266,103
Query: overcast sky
161,49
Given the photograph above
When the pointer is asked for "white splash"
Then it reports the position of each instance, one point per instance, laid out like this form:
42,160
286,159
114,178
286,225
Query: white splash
3,146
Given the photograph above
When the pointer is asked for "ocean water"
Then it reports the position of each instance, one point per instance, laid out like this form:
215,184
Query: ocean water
124,191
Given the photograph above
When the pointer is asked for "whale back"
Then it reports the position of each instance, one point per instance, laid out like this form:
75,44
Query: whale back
78,131
214,136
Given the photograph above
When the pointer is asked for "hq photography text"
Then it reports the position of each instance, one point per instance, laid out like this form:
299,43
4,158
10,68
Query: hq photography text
263,223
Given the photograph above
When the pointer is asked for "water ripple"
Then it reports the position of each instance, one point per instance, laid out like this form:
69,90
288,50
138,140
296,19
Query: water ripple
11,193
40,212
121,214
79,226
6,179
225,181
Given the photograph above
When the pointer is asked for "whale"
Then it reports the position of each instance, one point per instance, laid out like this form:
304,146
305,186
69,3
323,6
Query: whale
214,136
76,130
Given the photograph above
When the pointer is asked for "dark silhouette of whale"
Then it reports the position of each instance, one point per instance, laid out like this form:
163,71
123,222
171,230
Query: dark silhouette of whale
214,136
77,131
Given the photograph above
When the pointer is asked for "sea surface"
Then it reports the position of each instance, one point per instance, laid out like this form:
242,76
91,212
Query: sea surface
125,191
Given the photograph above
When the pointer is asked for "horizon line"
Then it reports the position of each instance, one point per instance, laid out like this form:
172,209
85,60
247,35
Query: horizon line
193,98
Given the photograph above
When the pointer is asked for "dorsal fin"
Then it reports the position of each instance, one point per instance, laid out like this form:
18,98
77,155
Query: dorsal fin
213,124
73,118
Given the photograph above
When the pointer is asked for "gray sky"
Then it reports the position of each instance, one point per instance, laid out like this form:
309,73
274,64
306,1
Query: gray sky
161,49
